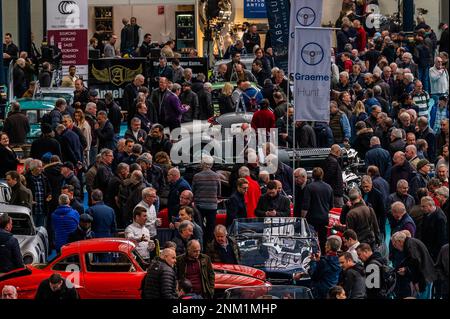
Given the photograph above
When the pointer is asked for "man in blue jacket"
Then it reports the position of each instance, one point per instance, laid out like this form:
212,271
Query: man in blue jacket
10,256
64,221
378,156
324,270
104,218
177,185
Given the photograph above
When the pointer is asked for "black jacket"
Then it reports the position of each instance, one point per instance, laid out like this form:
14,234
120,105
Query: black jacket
376,260
280,204
418,263
190,98
318,200
434,232
43,145
8,161
45,293
104,173
80,234
10,255
141,133
333,175
226,104
106,136
114,116
16,126
154,146
375,199
353,282
82,97
236,207
160,282
75,182
55,178
129,95
206,107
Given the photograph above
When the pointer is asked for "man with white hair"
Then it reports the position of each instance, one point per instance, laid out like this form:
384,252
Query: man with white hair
301,180
206,189
206,107
9,292
397,142
223,249
411,155
408,63
408,82
417,267
160,282
148,200
401,195
378,156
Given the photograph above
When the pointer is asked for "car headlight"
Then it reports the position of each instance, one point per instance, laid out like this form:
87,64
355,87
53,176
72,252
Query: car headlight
28,259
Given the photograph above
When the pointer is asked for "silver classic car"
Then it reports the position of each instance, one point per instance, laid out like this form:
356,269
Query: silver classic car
33,240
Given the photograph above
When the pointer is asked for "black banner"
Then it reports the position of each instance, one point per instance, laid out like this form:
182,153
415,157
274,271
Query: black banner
112,75
278,17
198,65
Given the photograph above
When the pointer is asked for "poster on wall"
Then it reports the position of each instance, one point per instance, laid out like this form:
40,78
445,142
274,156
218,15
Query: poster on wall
67,28
255,9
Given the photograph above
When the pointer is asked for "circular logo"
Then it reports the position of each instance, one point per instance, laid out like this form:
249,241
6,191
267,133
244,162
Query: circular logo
312,53
66,7
306,16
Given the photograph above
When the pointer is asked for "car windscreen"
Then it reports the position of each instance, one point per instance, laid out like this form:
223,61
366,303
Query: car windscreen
275,244
269,292
21,224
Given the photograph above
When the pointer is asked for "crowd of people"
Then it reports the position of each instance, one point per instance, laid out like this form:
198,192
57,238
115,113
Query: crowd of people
389,101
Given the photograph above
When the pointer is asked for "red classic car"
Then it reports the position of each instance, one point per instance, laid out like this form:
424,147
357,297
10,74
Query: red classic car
110,268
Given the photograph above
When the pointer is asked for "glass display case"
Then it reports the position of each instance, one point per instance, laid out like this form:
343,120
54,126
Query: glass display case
185,30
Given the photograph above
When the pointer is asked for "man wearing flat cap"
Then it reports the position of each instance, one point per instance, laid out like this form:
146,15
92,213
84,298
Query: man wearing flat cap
421,179
189,97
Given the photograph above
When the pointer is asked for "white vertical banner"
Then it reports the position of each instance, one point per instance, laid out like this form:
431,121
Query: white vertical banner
67,25
304,13
312,68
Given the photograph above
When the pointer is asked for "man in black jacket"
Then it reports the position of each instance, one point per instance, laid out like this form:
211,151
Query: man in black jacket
104,172
434,227
105,131
273,204
83,231
130,93
114,112
352,278
374,198
236,207
20,195
10,255
156,141
318,201
55,288
333,174
16,125
80,95
206,107
417,265
158,97
373,262
160,282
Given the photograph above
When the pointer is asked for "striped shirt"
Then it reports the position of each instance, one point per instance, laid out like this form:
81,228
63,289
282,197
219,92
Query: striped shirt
422,100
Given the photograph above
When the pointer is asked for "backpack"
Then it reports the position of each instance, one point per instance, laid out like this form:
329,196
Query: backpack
252,101
388,280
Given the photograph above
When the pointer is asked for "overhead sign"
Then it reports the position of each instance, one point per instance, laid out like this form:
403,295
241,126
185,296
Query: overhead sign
67,25
312,68
255,9
112,75
304,13
278,17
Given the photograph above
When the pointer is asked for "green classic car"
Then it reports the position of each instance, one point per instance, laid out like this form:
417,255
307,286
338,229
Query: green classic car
43,102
